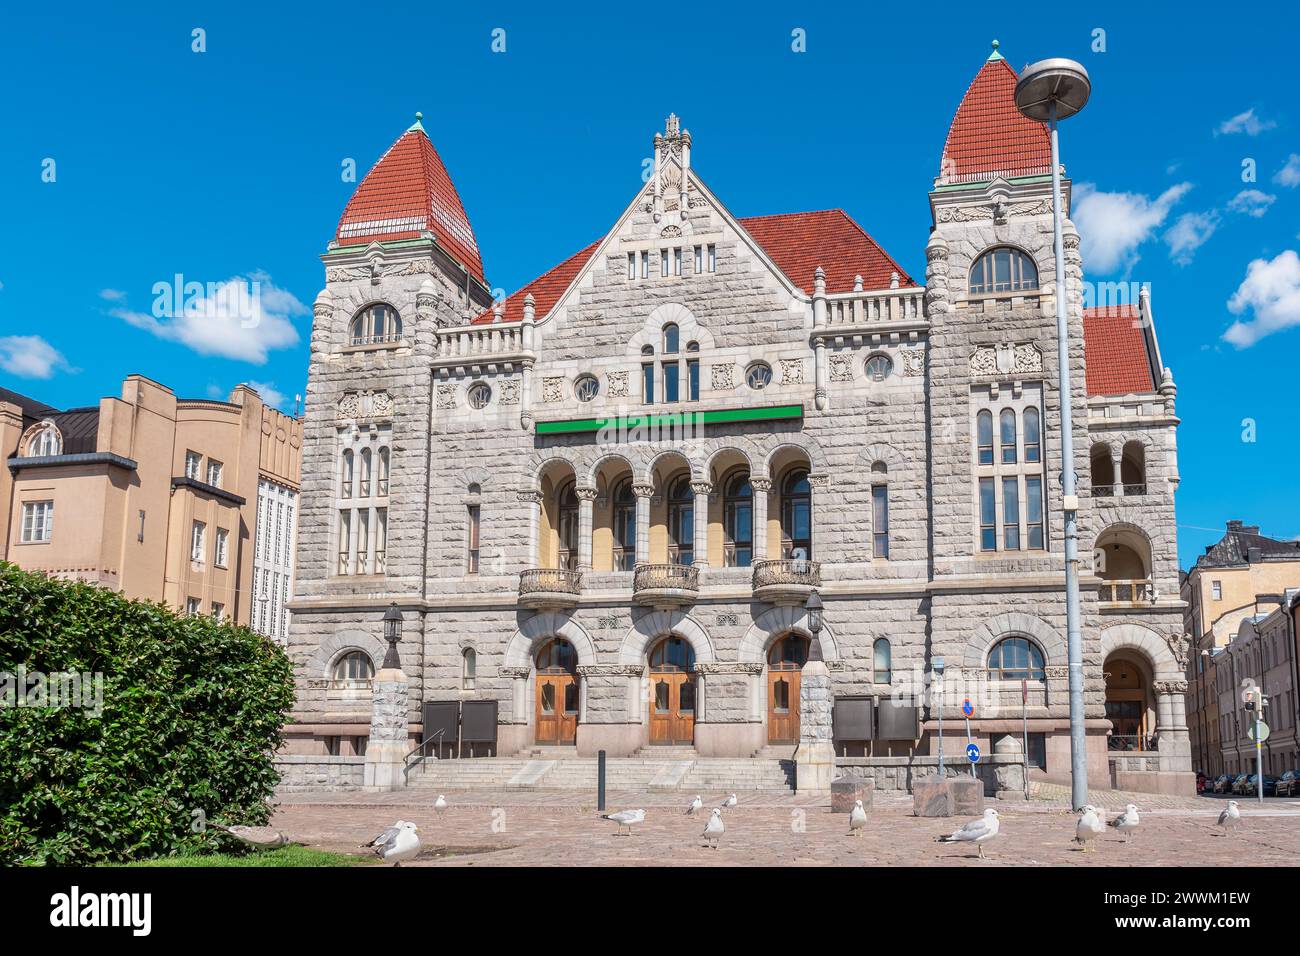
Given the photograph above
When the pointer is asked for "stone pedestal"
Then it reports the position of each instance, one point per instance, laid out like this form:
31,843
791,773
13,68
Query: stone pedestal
389,742
846,791
1009,777
814,759
966,796
931,797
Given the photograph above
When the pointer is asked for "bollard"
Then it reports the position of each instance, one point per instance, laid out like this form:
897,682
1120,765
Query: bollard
600,781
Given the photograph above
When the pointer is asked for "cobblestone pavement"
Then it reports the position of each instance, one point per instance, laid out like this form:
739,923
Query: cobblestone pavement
562,828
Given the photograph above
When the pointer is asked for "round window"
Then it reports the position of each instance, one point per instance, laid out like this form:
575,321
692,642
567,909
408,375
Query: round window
879,367
586,388
480,393
758,375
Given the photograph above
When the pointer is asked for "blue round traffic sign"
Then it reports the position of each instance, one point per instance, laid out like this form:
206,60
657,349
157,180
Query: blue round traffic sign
968,708
973,753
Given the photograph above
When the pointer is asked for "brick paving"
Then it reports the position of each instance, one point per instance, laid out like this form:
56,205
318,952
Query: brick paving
550,828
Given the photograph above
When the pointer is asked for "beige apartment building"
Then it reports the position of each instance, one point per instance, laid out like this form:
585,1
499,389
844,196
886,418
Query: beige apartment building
191,502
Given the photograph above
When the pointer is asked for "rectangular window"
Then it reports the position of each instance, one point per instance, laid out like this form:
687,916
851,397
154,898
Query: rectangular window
381,541
1218,590
648,384
663,262
1011,514
713,258
192,606
218,611
38,521
880,520
193,464
140,534
677,261
699,259
988,516
1034,511
645,264
198,541
223,547
693,379
631,265
214,473
471,562
363,541
670,381
345,538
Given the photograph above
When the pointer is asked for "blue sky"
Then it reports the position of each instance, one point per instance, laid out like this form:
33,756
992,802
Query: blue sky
227,163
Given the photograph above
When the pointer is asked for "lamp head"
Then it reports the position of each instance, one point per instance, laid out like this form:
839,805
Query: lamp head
1057,82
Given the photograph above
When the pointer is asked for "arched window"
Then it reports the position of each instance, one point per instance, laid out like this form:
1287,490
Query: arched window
354,669
1103,471
984,436
738,522
345,490
882,662
796,515
1003,270
624,526
1007,436
1033,436
378,324
45,442
468,668
567,526
879,468
789,653
681,521
672,338
381,483
363,486
557,657
1016,658
672,654
1132,468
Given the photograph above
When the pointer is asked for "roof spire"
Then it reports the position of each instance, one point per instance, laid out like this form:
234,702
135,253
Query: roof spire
417,124
995,55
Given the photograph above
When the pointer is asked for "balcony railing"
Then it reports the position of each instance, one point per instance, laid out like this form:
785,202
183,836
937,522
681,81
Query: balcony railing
1127,593
1131,742
383,338
787,571
549,581
665,584
1127,490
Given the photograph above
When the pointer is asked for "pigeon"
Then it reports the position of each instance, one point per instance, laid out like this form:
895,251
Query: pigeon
978,832
713,829
1229,817
1127,822
1088,827
696,805
255,836
730,802
399,842
440,805
857,819
625,819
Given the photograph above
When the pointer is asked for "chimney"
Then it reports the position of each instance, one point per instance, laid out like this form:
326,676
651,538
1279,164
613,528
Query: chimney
1252,555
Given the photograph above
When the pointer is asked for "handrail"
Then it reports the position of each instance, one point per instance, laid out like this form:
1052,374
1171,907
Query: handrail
406,761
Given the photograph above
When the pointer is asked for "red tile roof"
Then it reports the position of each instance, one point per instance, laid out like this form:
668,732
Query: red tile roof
797,242
406,193
1115,350
989,137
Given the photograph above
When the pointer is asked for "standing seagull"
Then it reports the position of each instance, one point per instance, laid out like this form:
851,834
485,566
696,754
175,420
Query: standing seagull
729,802
625,819
261,837
978,832
1229,817
1088,827
399,842
1127,822
857,819
696,805
713,829
440,805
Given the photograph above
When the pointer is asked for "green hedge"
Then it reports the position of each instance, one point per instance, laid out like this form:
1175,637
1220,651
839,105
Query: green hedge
192,713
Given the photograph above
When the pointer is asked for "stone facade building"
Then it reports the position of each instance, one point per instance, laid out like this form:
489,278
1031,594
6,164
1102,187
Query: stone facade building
604,500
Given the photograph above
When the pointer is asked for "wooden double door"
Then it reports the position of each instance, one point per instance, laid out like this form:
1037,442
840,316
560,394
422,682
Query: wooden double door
783,706
557,708
672,708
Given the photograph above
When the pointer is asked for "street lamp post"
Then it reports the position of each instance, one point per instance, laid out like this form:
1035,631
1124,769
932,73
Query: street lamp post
392,634
814,608
936,690
1050,91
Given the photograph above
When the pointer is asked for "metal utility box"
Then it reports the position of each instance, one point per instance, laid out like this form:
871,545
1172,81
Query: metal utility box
897,721
852,720
478,727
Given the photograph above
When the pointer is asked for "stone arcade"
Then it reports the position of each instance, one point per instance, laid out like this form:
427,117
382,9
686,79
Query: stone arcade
603,500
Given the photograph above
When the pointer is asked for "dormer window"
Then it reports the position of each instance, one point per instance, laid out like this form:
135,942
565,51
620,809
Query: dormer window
378,324
1003,270
45,442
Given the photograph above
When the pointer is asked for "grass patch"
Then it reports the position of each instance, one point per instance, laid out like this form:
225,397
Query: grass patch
282,856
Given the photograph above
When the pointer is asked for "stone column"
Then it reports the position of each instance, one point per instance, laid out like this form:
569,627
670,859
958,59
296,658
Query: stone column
701,522
643,494
586,499
817,485
761,487
1116,458
814,759
533,502
389,741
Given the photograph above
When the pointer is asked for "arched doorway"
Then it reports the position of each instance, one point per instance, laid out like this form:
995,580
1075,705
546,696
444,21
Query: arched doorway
672,692
557,693
1129,704
785,660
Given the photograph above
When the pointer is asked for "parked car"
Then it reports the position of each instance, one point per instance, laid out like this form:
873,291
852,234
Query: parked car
1222,783
1288,785
1239,783
1250,787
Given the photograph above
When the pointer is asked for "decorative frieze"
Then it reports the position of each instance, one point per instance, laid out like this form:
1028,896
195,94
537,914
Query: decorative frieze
726,620
754,668
792,371
723,377
617,384
610,670
553,389
509,391
447,396
1023,358
365,406
841,368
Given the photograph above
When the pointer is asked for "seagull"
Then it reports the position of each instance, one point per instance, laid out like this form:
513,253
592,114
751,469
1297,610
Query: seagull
625,819
1229,817
440,805
696,805
730,802
1127,822
713,829
857,819
261,837
1089,826
399,842
978,832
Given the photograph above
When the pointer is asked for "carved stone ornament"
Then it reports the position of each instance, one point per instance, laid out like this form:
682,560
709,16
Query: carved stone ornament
617,384
1178,646
726,619
841,368
447,396
722,377
607,623
670,232
754,668
913,361
792,371
984,361
509,394
365,406
553,389
1028,358
1056,672
610,670
1169,686
515,673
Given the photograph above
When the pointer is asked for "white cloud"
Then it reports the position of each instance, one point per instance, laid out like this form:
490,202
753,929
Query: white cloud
1252,202
1189,233
112,295
269,393
1271,290
242,318
1289,174
1113,225
1247,123
30,356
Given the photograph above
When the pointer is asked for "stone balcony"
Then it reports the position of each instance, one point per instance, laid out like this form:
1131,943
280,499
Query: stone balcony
665,585
1123,593
549,588
785,580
